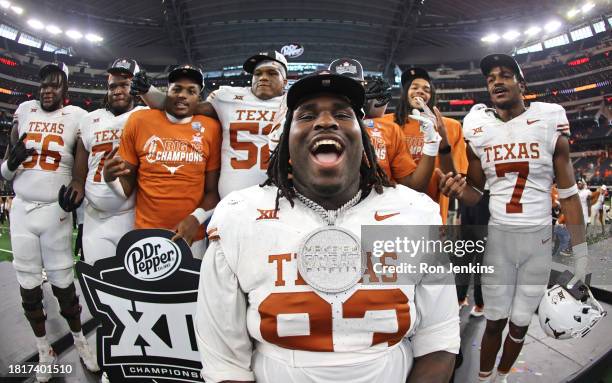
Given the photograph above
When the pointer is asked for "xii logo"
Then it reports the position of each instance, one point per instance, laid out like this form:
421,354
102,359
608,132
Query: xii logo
267,214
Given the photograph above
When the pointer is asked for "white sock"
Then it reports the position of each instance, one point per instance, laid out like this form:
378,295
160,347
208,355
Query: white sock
42,343
485,379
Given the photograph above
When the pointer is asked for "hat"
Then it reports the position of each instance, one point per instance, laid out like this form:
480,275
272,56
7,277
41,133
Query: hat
53,67
250,64
188,71
499,59
327,82
347,67
124,66
414,73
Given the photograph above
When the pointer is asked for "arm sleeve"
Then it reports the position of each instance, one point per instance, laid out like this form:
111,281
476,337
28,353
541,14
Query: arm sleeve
127,145
562,127
214,155
402,164
221,328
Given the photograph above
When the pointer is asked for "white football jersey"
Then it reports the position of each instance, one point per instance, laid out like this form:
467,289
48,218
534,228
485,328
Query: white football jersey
585,195
100,133
246,121
53,135
250,289
517,159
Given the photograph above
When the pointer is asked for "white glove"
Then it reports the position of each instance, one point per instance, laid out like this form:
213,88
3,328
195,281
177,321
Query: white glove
430,135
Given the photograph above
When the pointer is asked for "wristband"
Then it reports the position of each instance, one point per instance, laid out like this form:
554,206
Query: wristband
116,187
431,148
202,215
566,193
445,150
7,173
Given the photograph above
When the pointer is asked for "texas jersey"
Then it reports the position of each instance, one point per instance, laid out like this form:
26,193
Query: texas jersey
53,136
390,147
100,133
517,159
246,121
250,270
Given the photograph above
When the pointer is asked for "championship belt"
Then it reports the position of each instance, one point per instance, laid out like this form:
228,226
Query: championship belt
330,259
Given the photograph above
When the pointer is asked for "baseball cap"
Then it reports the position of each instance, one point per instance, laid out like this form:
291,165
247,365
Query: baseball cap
499,59
189,71
54,67
327,82
250,64
413,73
124,66
347,67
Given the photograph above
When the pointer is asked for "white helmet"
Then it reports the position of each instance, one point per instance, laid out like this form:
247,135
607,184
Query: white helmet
562,316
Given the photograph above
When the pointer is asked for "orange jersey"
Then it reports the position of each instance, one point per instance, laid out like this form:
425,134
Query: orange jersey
171,160
390,148
414,143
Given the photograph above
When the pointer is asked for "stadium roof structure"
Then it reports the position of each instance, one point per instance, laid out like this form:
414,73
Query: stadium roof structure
217,33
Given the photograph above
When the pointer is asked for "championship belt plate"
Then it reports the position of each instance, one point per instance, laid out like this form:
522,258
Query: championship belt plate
330,259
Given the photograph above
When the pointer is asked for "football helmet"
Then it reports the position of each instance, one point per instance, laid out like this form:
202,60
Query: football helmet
566,313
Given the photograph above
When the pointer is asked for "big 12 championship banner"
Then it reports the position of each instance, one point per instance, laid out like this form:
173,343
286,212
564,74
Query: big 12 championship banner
145,298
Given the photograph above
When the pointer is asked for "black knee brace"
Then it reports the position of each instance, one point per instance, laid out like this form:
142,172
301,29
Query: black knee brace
32,302
68,301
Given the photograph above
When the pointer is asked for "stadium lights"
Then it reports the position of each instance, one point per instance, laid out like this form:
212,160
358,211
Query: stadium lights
511,35
490,38
587,7
18,10
573,12
53,29
552,26
93,38
531,31
36,24
5,4
75,35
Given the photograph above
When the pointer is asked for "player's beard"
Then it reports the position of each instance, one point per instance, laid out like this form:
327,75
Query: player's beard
53,107
120,109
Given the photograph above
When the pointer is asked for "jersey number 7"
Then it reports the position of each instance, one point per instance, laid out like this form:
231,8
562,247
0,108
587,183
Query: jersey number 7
522,168
104,148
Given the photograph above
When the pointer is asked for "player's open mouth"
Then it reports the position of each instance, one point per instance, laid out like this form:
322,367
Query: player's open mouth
500,91
327,152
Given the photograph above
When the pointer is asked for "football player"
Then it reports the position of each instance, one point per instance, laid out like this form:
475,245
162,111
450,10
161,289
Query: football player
387,137
170,159
281,325
39,160
585,199
599,208
418,92
518,151
107,216
246,115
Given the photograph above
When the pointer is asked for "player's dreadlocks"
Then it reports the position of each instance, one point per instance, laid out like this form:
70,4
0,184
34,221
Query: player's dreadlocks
372,176
59,78
403,107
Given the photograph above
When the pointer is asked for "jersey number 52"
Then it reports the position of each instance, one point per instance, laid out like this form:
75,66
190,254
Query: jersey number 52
254,154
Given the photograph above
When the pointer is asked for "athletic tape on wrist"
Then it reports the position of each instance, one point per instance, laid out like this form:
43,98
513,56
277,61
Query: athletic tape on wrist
202,215
7,173
566,193
431,149
116,187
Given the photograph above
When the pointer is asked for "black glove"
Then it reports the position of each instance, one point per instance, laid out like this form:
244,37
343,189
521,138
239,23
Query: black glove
19,153
380,90
140,83
67,198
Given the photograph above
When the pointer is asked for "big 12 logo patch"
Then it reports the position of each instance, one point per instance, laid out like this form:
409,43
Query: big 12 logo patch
145,298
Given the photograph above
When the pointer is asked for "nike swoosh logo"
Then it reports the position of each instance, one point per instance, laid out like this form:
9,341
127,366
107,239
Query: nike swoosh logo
379,217
545,240
63,219
529,122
